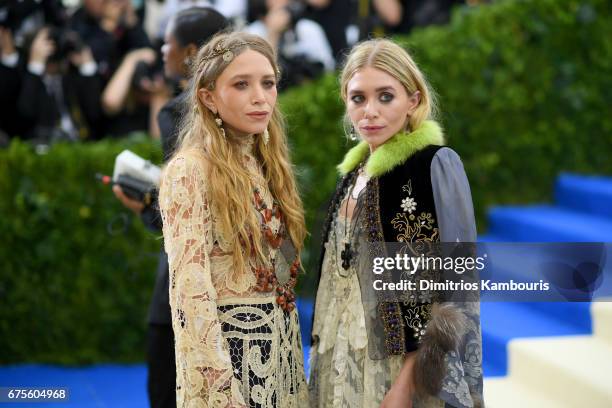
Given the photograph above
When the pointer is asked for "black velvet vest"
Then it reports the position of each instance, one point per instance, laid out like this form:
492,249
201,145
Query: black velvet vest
399,208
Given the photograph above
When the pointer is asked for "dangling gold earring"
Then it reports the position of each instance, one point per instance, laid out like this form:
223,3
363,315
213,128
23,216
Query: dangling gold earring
219,123
407,128
266,136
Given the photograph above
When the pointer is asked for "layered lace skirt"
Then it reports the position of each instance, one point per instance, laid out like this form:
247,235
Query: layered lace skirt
266,351
342,374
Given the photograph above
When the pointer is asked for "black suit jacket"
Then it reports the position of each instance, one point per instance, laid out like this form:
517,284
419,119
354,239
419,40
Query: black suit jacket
81,97
10,83
107,48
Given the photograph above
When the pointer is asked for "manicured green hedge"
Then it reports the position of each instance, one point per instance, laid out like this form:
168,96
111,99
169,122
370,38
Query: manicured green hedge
525,89
76,277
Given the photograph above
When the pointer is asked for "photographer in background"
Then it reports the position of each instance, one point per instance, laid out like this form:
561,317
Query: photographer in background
128,96
10,83
334,16
113,31
382,17
17,18
302,47
23,17
59,97
185,33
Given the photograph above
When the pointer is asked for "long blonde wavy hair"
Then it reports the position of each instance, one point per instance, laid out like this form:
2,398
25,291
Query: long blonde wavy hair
229,185
387,56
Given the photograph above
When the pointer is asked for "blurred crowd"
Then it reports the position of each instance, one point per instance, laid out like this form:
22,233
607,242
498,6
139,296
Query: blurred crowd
83,70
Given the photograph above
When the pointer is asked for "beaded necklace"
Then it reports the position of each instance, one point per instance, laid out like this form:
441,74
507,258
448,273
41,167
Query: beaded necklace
267,280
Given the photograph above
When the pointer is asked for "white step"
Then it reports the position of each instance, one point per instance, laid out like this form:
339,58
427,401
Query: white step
504,392
601,310
573,369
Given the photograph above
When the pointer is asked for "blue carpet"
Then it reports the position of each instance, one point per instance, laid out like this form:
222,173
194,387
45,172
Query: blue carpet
590,195
99,386
546,223
582,212
502,322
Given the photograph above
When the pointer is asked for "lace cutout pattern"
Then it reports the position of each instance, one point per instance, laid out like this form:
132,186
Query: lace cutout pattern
263,341
342,373
234,346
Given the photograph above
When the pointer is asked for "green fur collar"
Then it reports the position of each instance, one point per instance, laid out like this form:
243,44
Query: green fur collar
394,151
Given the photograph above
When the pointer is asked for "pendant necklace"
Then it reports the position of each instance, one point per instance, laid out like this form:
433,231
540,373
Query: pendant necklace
347,253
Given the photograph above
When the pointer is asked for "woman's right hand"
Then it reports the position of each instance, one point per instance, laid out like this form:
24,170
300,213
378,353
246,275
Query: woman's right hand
42,47
7,45
142,54
401,392
134,205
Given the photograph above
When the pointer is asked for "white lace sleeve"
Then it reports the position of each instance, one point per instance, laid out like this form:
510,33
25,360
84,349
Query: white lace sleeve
203,363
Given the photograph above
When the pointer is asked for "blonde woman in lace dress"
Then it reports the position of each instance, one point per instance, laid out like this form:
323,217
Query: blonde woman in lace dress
233,231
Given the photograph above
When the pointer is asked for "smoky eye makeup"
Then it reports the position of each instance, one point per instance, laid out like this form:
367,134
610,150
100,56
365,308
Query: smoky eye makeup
357,98
386,97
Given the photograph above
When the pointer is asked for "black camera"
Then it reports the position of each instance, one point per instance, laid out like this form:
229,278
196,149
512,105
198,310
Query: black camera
143,71
136,189
66,43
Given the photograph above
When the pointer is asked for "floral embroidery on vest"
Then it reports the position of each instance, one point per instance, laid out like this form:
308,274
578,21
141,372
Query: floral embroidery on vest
413,228
410,226
408,203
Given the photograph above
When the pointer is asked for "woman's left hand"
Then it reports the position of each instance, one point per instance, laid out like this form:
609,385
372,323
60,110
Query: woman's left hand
401,392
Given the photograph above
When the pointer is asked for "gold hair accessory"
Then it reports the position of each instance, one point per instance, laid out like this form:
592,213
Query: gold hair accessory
226,52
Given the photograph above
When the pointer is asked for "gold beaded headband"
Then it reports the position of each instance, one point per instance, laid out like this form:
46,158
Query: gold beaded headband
226,52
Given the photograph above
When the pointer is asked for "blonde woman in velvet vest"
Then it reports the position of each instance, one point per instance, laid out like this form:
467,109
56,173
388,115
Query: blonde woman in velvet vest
399,184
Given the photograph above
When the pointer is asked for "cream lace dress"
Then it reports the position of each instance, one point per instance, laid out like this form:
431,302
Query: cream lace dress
342,373
235,347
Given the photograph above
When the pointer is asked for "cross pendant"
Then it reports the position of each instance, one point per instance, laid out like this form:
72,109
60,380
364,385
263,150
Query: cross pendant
346,255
